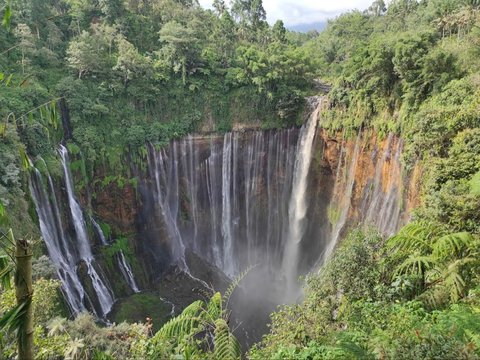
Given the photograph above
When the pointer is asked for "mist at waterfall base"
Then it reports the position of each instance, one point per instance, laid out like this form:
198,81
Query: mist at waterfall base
211,206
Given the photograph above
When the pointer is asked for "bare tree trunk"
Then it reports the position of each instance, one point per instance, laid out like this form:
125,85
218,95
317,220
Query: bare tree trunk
24,292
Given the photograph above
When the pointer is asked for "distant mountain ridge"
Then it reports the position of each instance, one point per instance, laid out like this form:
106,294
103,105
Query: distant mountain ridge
318,25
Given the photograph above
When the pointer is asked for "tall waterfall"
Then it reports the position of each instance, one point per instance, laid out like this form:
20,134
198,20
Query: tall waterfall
342,203
62,252
298,201
68,250
104,295
211,199
237,200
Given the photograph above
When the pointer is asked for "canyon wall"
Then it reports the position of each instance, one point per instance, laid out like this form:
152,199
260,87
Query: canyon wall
278,200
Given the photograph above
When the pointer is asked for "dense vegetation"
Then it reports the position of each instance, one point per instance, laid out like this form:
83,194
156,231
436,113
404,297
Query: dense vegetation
127,72
412,69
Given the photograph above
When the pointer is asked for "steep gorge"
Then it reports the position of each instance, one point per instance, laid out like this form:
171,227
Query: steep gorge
278,200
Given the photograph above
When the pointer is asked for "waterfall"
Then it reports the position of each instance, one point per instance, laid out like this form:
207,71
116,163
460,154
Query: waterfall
381,208
219,210
99,231
103,293
298,201
239,199
343,203
165,173
227,232
127,272
60,250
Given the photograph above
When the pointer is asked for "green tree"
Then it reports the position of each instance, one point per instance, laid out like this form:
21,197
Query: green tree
85,54
219,6
279,32
26,44
113,9
130,63
377,8
181,51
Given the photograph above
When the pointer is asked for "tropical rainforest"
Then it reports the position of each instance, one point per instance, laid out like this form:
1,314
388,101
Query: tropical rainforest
122,87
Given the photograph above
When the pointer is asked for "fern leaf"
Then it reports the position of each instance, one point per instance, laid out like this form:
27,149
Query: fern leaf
452,244
454,280
227,346
416,236
214,307
184,324
235,283
435,297
415,265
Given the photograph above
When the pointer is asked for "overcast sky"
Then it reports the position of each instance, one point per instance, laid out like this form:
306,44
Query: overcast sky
294,12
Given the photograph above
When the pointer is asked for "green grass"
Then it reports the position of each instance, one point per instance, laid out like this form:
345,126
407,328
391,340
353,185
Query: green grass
138,307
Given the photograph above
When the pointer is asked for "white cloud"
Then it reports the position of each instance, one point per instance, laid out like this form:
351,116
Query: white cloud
294,12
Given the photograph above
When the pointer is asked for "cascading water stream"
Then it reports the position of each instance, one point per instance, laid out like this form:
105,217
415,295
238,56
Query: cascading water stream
127,272
298,202
103,293
60,250
227,231
99,231
343,203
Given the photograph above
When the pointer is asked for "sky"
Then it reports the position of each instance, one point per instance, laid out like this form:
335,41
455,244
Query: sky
296,12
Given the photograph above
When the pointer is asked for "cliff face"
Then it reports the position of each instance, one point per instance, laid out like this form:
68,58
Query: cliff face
185,199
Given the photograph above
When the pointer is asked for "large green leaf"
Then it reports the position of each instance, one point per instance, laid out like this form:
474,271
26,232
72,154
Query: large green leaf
13,318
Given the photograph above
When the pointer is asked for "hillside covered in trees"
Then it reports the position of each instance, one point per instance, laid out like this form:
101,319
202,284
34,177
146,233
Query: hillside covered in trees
108,77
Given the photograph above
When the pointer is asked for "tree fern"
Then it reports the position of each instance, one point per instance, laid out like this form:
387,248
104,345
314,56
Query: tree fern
416,236
226,345
434,297
453,244
453,279
199,331
415,264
